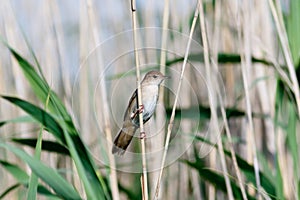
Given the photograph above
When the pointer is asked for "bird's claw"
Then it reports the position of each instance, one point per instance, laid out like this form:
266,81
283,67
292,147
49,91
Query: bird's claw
143,135
140,110
137,112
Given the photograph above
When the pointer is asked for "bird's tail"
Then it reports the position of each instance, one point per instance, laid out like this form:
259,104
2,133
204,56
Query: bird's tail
123,139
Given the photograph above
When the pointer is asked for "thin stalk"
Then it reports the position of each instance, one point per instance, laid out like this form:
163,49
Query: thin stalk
280,27
212,99
215,49
233,156
107,126
164,43
33,183
286,51
60,45
160,114
144,181
83,84
246,64
170,125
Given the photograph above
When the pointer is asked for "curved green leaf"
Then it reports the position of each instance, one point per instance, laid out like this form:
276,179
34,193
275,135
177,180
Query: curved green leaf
247,169
43,91
47,174
9,189
22,177
52,126
22,119
40,115
216,179
47,145
41,88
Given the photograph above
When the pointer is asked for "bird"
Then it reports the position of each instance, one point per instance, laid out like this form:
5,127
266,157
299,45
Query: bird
150,90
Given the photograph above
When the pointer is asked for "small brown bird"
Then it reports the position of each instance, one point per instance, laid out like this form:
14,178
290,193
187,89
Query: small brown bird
149,88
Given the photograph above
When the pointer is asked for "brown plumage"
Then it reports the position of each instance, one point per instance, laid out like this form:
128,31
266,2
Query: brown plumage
149,88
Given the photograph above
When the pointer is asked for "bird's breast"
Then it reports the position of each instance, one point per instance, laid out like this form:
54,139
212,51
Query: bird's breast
149,96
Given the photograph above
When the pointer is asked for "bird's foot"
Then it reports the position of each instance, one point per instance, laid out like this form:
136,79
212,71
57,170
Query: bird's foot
143,135
141,109
137,112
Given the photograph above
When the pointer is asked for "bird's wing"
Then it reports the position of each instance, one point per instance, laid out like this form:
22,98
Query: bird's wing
132,105
131,108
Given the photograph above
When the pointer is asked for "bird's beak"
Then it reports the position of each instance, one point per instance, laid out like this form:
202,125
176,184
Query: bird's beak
167,77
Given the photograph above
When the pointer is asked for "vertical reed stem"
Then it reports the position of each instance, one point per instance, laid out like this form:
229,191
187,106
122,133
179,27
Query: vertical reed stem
212,99
144,180
170,125
246,63
107,126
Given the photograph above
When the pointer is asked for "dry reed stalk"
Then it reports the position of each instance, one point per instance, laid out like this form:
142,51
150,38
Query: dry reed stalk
212,101
281,72
232,152
283,38
52,64
284,165
160,114
61,45
55,16
228,45
262,38
6,86
83,94
170,186
246,63
212,158
170,125
14,39
185,129
212,164
278,18
144,181
104,103
215,68
17,77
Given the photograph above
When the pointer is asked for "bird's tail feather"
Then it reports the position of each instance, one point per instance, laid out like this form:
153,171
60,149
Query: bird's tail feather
122,140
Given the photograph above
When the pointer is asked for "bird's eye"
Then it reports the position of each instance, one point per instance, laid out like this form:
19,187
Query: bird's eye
155,76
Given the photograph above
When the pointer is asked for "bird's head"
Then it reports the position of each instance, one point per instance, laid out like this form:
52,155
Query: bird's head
154,78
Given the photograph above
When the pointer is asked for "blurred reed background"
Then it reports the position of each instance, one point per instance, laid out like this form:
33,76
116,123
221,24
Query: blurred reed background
239,100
